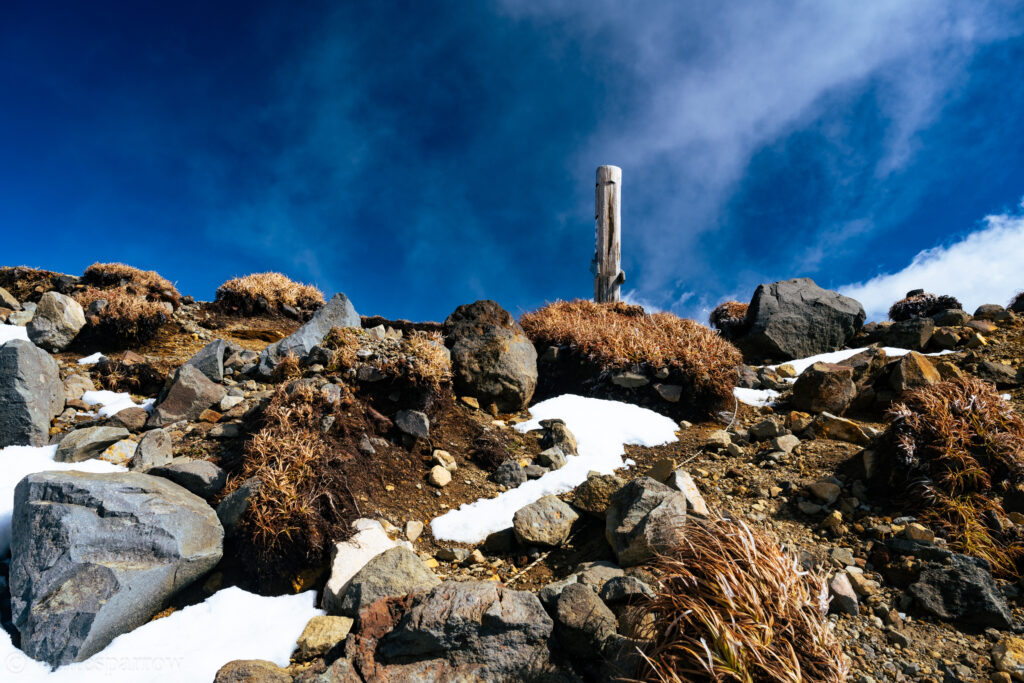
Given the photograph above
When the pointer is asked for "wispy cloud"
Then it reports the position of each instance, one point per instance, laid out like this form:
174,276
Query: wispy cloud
983,267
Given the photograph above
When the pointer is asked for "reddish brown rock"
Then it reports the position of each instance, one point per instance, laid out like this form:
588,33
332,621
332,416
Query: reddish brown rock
824,387
913,371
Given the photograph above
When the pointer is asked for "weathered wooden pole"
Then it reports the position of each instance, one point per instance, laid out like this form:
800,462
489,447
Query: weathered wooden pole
608,275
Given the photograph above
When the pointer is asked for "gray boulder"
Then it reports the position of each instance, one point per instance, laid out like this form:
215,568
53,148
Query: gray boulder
235,504
57,320
643,518
492,358
190,394
482,631
392,573
582,621
338,312
88,443
797,318
8,300
154,450
31,394
210,360
546,521
96,555
201,477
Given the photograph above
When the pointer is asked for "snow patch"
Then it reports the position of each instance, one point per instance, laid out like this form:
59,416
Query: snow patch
9,332
90,360
601,429
836,356
17,462
189,645
114,402
755,397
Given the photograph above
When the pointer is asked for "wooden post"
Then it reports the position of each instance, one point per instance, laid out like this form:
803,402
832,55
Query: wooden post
608,275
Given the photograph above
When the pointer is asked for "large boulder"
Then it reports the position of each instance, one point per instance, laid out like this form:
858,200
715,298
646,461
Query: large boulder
31,394
797,318
644,517
393,573
57,320
480,629
824,387
210,360
492,358
338,312
190,394
96,555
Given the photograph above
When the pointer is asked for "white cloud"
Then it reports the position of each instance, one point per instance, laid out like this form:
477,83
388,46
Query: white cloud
983,268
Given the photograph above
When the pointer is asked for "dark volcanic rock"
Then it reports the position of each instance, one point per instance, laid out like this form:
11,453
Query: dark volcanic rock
824,387
96,555
338,312
643,517
191,393
913,334
201,477
392,573
962,591
582,621
210,360
797,318
492,358
31,394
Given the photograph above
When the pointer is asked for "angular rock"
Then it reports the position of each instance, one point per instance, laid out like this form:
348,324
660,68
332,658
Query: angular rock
867,363
681,481
348,557
844,598
644,517
191,393
1000,374
552,458
594,495
913,334
132,419
96,555
1008,657
209,360
797,318
88,443
824,387
989,312
482,630
393,573
545,522
338,312
320,635
913,371
57,320
31,394
7,300
582,621
234,505
962,591
952,317
414,423
251,671
201,477
509,474
492,358
75,386
622,589
829,426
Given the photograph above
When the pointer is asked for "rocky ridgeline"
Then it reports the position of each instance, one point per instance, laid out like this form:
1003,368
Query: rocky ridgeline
96,555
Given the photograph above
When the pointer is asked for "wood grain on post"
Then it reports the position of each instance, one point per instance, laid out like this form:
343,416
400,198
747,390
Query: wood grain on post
608,275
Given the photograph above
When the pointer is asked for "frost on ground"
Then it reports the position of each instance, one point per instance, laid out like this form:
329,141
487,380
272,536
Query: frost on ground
91,359
17,462
601,429
114,402
189,645
9,332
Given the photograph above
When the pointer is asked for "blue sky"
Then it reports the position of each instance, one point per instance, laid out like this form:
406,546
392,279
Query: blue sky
422,155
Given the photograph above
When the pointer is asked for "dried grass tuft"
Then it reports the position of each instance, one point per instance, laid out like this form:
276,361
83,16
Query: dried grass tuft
952,444
126,320
922,306
419,358
730,318
731,605
261,292
144,283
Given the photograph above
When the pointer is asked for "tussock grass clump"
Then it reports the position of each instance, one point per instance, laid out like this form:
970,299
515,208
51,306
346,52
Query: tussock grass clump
23,281
730,318
305,502
921,305
419,358
262,292
126,319
1017,303
144,283
133,378
955,445
731,605
619,336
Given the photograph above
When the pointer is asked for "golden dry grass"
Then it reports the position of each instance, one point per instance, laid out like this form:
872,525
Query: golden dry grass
128,319
953,444
304,503
418,357
144,283
248,294
618,336
731,605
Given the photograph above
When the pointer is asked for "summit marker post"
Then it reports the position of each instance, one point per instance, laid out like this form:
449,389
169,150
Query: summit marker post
607,263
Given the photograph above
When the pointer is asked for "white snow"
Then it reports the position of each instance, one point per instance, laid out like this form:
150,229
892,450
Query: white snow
1005,397
91,359
836,356
755,397
17,462
189,645
601,429
114,402
9,332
